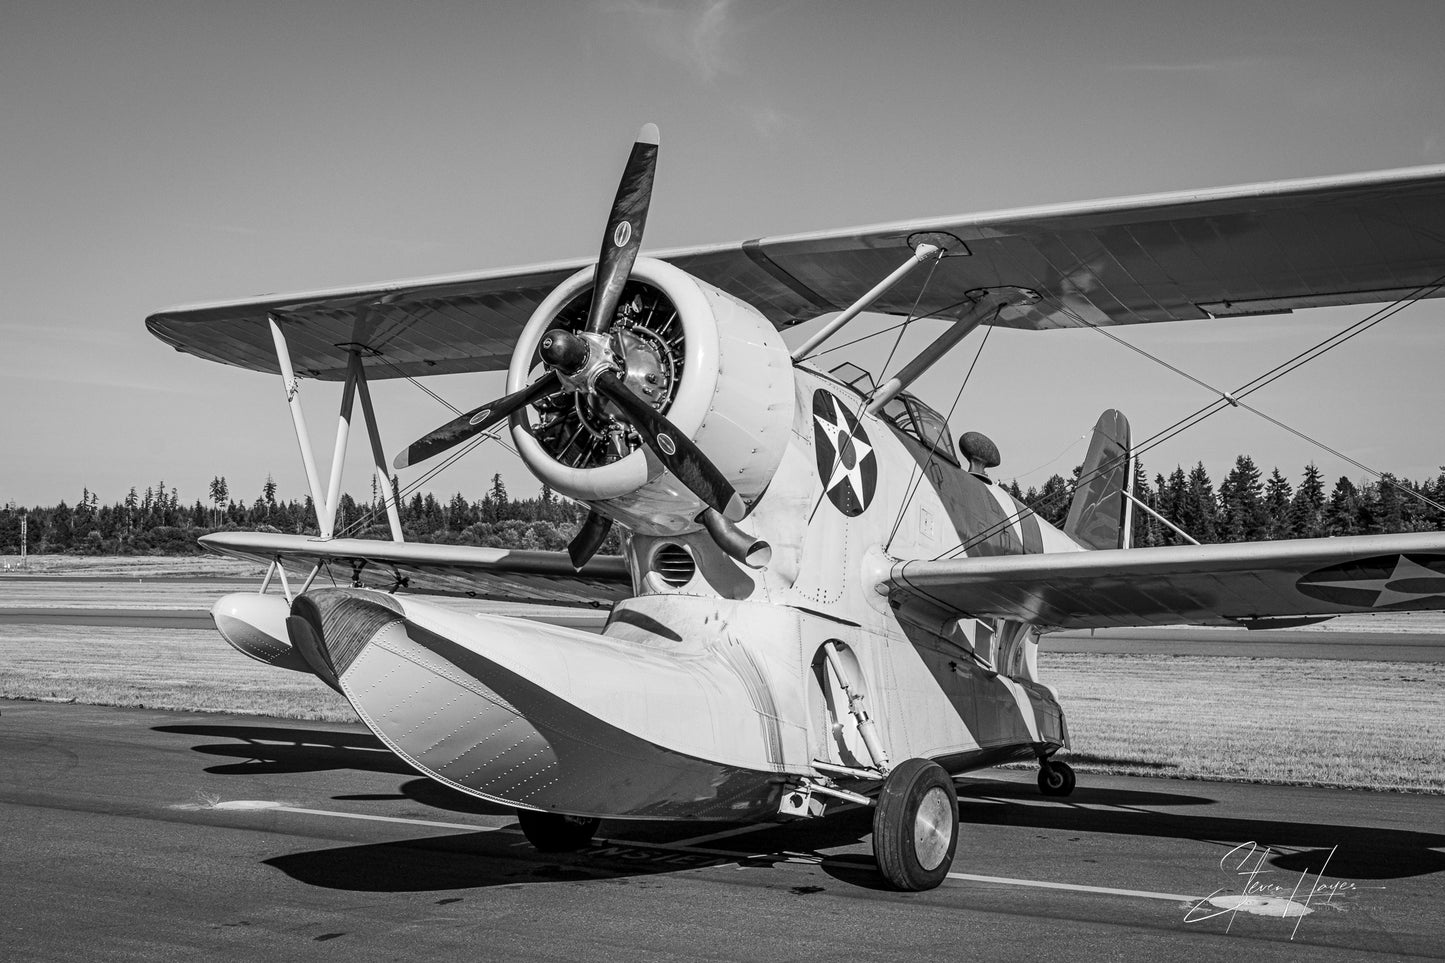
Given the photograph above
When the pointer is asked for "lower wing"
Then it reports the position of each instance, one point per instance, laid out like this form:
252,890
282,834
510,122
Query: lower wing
1252,583
486,573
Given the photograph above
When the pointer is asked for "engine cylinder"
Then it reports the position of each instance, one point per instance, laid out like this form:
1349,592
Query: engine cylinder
734,397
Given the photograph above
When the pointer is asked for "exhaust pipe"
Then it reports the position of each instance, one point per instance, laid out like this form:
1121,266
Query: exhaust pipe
739,546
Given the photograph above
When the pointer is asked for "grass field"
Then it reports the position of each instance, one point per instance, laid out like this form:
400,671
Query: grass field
1374,725
131,566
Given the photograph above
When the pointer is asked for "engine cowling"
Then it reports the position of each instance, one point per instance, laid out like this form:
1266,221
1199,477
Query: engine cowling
711,363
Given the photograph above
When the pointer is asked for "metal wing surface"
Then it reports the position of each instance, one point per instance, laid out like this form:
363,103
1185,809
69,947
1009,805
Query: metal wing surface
1188,584
486,573
1263,248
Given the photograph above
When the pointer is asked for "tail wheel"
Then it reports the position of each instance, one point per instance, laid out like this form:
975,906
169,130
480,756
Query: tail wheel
556,833
1056,779
915,825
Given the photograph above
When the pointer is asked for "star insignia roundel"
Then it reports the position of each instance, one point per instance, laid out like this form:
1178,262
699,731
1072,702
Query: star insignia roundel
1386,581
847,464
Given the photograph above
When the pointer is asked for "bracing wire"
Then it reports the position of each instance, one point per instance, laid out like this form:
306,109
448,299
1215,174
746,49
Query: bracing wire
916,476
1228,399
902,329
401,494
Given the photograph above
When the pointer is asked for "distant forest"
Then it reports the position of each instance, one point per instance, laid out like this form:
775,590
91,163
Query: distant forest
1244,506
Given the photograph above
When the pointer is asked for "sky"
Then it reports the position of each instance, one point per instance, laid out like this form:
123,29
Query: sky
163,153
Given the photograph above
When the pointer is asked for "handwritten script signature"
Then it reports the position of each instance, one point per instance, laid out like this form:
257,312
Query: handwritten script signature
1264,897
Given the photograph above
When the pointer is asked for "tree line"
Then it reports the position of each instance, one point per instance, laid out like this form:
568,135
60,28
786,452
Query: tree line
157,522
1245,506
1248,507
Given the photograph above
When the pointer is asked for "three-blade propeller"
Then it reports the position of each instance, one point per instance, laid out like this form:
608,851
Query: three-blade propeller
580,363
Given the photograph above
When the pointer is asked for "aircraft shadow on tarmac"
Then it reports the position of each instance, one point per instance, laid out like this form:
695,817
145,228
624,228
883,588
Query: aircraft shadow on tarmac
1360,852
634,849
263,750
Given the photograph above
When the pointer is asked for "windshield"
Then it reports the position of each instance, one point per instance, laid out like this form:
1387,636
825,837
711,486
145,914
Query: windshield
917,419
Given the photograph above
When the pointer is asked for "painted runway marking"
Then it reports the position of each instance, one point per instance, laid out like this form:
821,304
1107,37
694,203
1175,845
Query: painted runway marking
469,827
1043,884
724,834
261,805
691,846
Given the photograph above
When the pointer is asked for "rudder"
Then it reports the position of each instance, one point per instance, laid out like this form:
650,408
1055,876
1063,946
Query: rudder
1097,517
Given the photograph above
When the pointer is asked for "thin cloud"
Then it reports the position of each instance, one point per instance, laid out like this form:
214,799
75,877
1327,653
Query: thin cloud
697,35
768,120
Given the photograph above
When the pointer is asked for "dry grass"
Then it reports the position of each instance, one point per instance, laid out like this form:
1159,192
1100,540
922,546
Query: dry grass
132,566
74,593
1375,725
188,669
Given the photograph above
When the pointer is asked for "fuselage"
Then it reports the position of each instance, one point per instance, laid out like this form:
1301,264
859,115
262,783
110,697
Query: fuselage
712,688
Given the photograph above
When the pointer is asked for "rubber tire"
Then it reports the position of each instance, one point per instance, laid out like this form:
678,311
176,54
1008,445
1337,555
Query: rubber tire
555,832
1063,782
894,820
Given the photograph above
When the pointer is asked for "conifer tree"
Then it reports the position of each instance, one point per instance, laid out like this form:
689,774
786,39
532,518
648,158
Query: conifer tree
1277,496
1199,508
1241,503
1307,508
1342,517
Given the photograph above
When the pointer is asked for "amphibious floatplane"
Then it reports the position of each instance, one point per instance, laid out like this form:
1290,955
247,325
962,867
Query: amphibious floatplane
820,597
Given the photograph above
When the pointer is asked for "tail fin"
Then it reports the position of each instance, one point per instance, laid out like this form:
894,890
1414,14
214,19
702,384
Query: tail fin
1098,518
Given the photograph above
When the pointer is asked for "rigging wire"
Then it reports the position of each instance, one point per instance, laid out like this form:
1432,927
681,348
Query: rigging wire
1062,452
936,313
1280,370
915,477
1226,400
399,495
863,403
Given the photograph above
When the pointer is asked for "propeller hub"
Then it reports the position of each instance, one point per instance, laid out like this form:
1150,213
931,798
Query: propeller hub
564,351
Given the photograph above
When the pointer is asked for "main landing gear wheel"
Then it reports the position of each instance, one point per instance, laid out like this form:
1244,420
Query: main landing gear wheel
556,833
1056,779
915,825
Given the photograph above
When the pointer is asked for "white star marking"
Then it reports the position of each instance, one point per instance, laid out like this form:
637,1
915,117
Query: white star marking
1404,569
838,435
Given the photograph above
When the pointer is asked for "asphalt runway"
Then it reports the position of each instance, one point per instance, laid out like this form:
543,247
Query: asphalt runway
143,835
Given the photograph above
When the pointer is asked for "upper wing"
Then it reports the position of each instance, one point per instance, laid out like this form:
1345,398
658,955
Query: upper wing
1200,584
1242,250
486,573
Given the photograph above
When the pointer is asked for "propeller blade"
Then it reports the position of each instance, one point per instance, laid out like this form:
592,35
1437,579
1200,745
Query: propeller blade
475,422
677,451
589,539
624,230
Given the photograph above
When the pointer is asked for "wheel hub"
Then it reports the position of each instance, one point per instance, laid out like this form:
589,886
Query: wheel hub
932,828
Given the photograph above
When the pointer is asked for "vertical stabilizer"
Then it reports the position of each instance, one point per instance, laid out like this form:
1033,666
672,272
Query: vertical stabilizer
1097,518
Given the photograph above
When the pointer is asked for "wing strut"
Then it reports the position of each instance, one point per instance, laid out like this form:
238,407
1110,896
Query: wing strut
984,303
923,252
327,502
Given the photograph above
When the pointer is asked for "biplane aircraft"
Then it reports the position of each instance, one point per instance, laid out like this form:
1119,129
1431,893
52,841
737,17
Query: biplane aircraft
821,597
